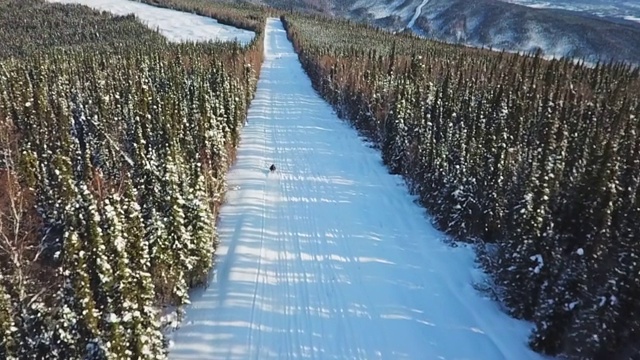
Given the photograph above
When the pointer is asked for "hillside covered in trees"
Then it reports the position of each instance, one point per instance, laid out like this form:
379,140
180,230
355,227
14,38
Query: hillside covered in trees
114,145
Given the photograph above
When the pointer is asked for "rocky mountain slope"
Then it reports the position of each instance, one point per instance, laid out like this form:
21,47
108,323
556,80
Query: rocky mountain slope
514,27
496,24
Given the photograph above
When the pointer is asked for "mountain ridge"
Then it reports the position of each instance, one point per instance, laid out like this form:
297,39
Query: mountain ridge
492,24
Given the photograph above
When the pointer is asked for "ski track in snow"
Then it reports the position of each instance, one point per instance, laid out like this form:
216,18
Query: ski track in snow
176,26
329,257
417,14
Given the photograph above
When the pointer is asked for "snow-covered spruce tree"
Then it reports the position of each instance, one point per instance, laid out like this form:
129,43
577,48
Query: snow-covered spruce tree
193,121
76,332
405,147
429,147
155,232
452,155
101,271
61,141
206,119
394,137
82,137
147,139
562,294
463,208
628,283
425,145
143,325
443,195
117,313
493,199
438,156
593,334
35,105
560,306
363,110
419,145
190,190
233,123
573,184
92,189
628,249
177,262
380,104
135,145
217,147
199,219
527,255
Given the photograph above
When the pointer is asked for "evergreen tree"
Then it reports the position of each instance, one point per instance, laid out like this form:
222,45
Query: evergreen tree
76,330
199,220
117,312
143,326
179,241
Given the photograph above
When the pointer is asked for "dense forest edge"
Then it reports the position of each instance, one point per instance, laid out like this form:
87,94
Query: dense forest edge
114,144
536,162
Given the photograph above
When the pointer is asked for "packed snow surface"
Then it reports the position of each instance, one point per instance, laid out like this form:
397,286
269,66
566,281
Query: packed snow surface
175,26
328,257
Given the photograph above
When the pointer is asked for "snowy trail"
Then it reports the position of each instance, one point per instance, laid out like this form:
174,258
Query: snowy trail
176,26
416,15
329,258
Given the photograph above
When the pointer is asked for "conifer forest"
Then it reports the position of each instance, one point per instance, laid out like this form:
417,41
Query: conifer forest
114,150
115,143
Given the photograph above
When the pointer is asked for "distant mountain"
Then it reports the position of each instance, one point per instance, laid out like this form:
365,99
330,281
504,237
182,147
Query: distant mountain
509,26
587,29
614,9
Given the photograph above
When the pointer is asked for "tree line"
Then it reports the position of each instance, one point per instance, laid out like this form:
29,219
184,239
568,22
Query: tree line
537,161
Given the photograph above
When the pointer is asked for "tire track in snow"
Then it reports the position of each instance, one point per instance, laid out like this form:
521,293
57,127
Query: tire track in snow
334,297
332,259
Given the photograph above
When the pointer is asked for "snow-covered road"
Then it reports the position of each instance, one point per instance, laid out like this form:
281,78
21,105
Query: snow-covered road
174,25
328,257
